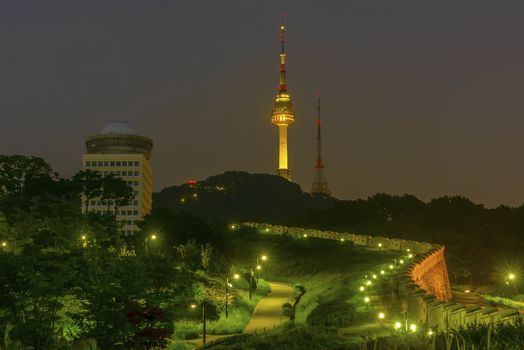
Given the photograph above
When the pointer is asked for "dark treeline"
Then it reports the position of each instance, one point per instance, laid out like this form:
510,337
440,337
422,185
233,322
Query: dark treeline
479,241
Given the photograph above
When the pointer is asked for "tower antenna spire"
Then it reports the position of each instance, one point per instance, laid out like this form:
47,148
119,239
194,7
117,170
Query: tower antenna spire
282,85
320,186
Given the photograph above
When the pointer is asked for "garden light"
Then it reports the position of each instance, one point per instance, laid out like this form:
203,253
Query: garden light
413,327
366,299
397,325
381,316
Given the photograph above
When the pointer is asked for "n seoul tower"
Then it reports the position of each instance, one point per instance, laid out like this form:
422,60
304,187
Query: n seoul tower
282,114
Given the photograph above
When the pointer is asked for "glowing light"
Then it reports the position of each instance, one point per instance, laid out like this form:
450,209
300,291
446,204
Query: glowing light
368,283
282,27
366,299
381,316
4,244
193,306
380,245
236,276
264,257
467,291
397,325
375,277
233,226
382,272
410,256
259,267
84,237
401,261
413,327
267,230
362,288
182,200
342,240
195,195
408,250
305,235
391,267
430,332
153,237
511,276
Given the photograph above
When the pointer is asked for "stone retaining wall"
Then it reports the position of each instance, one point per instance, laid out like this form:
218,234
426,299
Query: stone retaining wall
424,285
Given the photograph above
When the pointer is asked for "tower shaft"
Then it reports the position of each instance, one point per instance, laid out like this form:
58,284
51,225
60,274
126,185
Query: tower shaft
320,186
283,169
282,114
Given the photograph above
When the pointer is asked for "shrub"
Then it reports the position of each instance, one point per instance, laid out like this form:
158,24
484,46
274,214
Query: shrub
332,314
191,335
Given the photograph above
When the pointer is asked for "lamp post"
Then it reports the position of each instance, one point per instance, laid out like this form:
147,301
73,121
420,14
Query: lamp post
151,237
194,306
235,276
250,283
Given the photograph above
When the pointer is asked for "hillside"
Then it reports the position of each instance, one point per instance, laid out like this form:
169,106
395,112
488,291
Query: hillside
238,196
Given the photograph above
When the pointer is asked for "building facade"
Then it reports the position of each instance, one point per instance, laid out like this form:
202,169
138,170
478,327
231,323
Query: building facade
119,151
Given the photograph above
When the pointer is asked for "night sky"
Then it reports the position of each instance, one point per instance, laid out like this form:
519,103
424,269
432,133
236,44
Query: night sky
420,97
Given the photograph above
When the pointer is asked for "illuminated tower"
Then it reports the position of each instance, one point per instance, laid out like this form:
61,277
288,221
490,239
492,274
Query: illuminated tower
282,114
320,186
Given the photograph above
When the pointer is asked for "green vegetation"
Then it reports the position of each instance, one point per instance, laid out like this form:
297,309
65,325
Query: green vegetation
69,278
473,235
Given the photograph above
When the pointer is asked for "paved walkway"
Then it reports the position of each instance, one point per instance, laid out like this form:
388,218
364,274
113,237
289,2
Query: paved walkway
268,310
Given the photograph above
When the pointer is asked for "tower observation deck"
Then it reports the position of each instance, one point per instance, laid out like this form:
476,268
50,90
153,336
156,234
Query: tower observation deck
283,114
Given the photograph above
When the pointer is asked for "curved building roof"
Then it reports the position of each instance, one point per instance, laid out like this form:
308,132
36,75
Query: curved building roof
119,138
118,128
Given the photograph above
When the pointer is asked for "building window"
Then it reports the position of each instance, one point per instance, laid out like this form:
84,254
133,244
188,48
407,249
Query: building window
129,212
136,183
137,163
88,163
135,203
118,164
112,163
129,222
106,163
135,193
136,172
100,163
135,212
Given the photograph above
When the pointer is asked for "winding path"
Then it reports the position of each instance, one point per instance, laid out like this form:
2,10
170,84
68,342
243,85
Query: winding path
268,311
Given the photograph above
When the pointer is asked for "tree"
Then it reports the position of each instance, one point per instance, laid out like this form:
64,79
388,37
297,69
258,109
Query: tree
116,192
89,184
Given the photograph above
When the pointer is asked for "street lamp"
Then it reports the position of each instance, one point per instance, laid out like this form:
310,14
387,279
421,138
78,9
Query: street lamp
4,244
397,325
194,306
150,237
228,285
366,300
362,288
413,327
381,317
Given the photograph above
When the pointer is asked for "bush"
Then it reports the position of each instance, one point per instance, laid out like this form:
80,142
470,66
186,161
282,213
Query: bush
332,314
191,335
287,310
